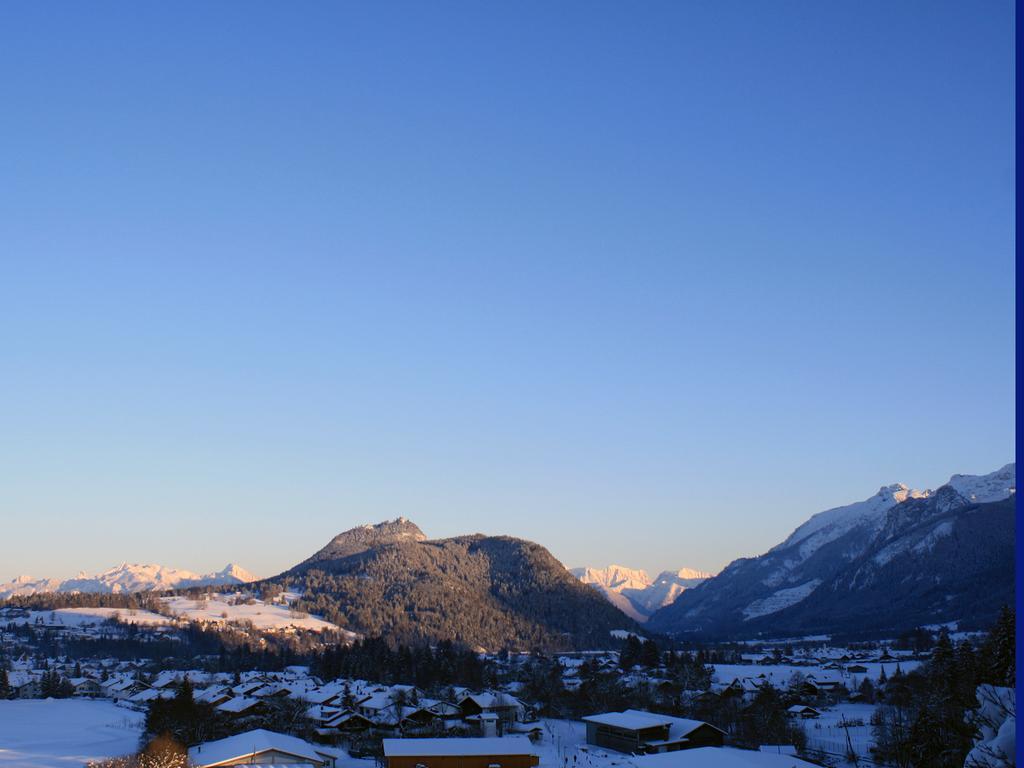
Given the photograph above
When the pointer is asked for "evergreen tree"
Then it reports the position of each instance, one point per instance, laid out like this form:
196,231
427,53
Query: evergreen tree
649,654
998,664
631,653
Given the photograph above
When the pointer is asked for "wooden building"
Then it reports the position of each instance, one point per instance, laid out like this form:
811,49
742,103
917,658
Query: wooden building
637,732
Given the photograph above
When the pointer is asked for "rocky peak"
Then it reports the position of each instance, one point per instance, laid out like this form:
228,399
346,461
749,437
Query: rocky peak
364,537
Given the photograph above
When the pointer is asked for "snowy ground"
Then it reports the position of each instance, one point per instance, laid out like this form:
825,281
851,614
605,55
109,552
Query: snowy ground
564,745
80,617
65,733
828,734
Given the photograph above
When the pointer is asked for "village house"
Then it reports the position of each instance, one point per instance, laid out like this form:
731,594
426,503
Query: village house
346,722
506,709
86,687
215,695
25,685
637,732
241,706
261,747
803,711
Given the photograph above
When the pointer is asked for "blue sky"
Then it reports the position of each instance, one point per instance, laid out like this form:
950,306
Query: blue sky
649,284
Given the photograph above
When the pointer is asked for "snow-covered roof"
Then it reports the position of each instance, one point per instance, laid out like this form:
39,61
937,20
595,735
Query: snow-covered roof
492,699
240,704
631,720
506,745
253,743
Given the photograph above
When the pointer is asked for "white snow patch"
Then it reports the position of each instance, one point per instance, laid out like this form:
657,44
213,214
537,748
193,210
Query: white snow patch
783,598
927,544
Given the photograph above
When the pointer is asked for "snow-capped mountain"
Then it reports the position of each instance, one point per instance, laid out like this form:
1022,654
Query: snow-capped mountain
982,489
950,552
128,577
614,577
633,591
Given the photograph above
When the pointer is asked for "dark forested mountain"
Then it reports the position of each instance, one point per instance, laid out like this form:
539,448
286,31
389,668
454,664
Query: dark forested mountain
897,560
489,591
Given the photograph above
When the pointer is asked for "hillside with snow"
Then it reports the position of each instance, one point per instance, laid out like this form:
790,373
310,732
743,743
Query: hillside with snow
229,607
128,577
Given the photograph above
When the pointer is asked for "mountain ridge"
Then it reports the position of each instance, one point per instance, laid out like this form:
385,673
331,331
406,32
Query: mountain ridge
810,575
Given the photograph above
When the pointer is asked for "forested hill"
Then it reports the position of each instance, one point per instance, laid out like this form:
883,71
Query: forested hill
491,592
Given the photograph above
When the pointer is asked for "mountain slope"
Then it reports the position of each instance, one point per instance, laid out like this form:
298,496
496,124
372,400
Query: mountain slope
867,565
633,592
128,577
487,591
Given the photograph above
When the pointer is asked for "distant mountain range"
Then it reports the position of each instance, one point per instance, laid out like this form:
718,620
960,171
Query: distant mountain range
635,593
896,560
489,592
899,559
127,577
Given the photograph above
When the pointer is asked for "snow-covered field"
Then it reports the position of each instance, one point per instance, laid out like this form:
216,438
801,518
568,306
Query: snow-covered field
564,743
828,734
262,615
64,733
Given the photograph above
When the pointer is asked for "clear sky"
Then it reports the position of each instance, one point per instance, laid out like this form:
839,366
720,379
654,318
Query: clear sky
648,283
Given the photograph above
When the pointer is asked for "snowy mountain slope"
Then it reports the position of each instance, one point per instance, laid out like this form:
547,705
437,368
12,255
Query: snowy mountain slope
128,577
832,523
633,592
843,550
665,588
933,563
986,488
623,603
